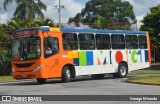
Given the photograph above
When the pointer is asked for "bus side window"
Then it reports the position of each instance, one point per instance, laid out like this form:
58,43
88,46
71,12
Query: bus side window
70,41
142,42
118,41
103,41
131,41
86,41
51,47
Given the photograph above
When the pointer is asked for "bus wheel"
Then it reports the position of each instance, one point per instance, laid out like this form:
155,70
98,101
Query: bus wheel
66,74
98,76
122,71
41,80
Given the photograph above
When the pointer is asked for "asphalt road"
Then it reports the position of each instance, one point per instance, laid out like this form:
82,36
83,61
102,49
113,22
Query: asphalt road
80,86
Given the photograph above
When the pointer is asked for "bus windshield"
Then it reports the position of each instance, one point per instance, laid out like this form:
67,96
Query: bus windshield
26,48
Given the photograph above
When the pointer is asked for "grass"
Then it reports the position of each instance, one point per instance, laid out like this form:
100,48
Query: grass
6,78
145,76
153,79
145,71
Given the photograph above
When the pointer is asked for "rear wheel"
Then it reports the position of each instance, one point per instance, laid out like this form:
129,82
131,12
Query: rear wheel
122,71
41,80
66,74
98,76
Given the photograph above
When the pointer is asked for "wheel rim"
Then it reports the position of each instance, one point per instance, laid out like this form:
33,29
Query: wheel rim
123,70
68,74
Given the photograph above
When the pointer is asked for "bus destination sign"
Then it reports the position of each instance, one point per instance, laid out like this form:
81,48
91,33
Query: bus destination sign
25,32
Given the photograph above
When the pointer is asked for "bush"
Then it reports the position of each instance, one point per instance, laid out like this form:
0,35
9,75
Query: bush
5,59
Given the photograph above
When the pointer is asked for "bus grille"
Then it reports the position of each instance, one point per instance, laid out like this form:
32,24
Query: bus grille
24,65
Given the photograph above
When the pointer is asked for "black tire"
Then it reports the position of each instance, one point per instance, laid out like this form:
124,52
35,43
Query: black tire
122,71
66,74
98,76
41,80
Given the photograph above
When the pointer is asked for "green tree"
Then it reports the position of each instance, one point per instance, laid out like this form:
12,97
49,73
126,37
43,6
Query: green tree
5,52
16,23
1,32
27,9
151,24
111,12
44,22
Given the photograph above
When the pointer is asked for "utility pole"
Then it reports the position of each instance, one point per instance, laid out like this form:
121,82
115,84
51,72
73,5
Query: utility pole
59,11
0,15
59,7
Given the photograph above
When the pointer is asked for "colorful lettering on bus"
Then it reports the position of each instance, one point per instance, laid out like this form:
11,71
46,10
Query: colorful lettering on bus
85,58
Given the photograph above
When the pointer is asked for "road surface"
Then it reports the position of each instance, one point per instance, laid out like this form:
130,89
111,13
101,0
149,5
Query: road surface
80,86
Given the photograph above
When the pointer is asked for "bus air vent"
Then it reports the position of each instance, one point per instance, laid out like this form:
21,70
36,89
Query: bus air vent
24,65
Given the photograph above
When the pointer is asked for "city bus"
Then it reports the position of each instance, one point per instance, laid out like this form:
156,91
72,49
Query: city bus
46,52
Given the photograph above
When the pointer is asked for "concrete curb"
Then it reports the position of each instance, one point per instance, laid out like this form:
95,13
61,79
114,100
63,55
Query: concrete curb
155,84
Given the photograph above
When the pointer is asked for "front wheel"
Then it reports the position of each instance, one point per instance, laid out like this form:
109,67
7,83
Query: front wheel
66,74
41,80
122,71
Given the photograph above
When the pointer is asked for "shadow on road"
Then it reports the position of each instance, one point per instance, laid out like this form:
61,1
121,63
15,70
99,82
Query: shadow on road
54,81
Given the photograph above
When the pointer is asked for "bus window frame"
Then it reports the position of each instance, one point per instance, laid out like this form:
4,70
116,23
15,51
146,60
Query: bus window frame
97,34
31,58
118,42
71,41
85,41
137,42
52,50
143,42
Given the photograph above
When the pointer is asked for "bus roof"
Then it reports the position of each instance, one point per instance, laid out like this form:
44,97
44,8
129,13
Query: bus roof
78,30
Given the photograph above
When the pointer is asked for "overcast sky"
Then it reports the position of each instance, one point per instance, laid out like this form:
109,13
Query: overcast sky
141,8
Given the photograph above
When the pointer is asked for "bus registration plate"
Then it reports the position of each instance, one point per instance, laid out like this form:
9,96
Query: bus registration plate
24,75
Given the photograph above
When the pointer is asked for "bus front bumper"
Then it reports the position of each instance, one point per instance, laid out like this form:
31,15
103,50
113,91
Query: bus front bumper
23,75
35,73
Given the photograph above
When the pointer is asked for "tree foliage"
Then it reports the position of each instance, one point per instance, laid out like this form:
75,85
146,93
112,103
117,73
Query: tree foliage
27,9
44,22
110,12
5,52
151,23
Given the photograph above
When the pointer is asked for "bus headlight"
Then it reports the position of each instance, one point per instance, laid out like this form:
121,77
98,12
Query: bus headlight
13,70
37,68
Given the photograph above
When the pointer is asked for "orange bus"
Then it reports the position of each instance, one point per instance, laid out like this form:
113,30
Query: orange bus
45,53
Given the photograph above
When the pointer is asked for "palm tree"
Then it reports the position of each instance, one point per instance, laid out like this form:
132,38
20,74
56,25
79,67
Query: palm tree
44,22
16,23
27,9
